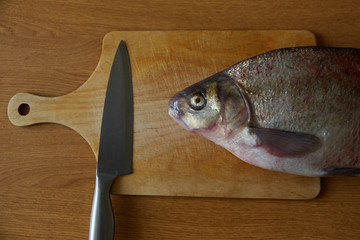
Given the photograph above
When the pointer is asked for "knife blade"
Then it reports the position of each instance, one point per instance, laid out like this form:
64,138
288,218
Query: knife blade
116,143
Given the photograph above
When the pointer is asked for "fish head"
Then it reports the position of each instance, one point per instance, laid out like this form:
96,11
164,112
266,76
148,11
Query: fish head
214,107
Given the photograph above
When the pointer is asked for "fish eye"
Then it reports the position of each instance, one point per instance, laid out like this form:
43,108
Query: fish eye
197,101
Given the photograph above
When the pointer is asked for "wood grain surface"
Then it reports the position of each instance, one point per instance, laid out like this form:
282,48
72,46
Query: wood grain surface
167,160
47,171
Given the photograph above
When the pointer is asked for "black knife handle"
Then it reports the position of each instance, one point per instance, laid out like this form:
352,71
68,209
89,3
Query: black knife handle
102,218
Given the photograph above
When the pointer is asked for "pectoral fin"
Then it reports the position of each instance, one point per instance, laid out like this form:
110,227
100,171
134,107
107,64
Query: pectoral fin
286,144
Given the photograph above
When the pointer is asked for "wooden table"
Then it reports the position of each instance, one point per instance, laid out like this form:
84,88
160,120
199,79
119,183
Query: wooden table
47,171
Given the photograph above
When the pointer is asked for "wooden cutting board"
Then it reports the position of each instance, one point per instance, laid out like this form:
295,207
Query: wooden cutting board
168,160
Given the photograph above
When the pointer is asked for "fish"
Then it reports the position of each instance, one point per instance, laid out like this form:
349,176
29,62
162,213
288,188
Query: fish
294,110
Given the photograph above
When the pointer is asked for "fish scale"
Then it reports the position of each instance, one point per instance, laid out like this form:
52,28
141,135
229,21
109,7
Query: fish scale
289,94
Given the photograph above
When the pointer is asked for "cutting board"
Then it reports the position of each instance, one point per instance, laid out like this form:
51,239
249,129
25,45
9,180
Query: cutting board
168,160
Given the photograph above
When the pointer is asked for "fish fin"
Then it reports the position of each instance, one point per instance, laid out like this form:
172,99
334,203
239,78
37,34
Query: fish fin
342,172
286,144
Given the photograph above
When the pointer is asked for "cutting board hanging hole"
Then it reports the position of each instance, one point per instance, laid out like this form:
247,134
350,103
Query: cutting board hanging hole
24,109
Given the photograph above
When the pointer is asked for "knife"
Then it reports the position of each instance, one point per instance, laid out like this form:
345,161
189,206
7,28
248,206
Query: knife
116,143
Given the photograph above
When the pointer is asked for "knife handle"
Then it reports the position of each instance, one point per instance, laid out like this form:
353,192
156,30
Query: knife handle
102,218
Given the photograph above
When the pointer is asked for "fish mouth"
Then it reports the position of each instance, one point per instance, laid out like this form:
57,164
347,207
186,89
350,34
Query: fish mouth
174,114
174,110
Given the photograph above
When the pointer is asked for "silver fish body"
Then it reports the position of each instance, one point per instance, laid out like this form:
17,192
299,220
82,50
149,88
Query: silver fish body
294,110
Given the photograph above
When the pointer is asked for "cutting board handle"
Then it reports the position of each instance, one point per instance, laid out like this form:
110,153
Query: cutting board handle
26,109
69,110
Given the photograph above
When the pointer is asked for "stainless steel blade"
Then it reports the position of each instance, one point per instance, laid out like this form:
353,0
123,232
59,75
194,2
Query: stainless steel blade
116,144
116,137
